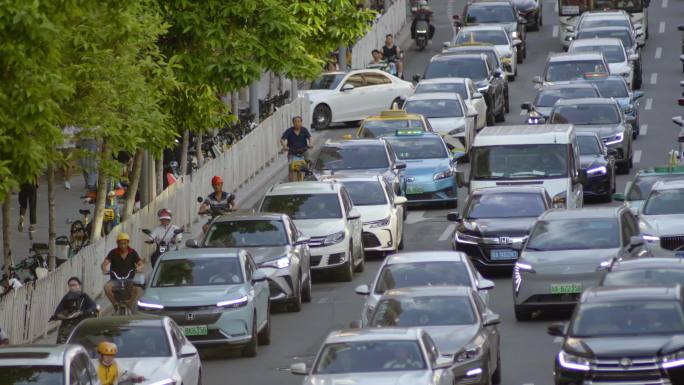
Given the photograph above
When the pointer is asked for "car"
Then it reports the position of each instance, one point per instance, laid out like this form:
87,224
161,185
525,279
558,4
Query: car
645,271
354,95
531,11
568,67
662,215
539,109
46,365
493,220
357,157
613,86
461,325
599,165
564,255
382,356
147,346
324,212
611,18
277,247
496,12
448,115
462,86
382,211
603,117
388,122
430,175
637,190
506,48
619,63
216,295
422,268
622,335
628,41
490,81
509,66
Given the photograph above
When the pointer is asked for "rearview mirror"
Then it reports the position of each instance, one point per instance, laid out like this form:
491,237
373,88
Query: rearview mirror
477,95
678,121
620,197
498,73
637,95
636,241
362,290
400,200
491,319
187,351
192,243
517,245
556,329
681,28
347,87
516,42
178,231
446,44
485,284
633,57
570,28
456,154
443,362
454,217
299,369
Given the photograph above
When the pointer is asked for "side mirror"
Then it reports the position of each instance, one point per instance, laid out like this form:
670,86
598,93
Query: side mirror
526,106
200,199
498,73
416,78
570,28
637,95
400,166
477,95
461,180
355,324
147,231
582,176
537,80
681,28
620,197
400,200
302,240
680,101
299,369
636,241
192,243
259,276
516,42
556,329
443,362
485,284
454,217
491,319
347,87
353,214
187,350
633,57
362,290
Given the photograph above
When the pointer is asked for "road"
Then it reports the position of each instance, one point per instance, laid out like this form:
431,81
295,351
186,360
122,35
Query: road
527,351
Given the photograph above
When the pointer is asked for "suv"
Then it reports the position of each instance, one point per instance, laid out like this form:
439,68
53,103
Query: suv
662,215
568,67
47,364
640,186
325,213
506,48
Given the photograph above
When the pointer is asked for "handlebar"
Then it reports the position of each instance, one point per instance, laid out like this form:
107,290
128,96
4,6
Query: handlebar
127,277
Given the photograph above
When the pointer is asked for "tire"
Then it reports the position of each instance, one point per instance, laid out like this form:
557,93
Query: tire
346,273
250,350
496,376
511,78
507,103
264,336
306,291
362,265
295,305
396,101
522,314
322,116
519,57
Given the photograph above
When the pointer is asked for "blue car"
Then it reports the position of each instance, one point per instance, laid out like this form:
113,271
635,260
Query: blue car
615,86
430,175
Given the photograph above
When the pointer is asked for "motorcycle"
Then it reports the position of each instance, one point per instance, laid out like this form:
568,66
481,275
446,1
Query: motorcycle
387,66
161,246
422,34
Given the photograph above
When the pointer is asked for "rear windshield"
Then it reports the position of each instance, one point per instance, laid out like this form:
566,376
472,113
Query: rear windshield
397,276
612,53
549,97
495,37
643,184
491,14
380,128
459,88
352,158
585,114
574,234
505,205
623,34
366,193
246,234
435,108
612,88
304,206
573,70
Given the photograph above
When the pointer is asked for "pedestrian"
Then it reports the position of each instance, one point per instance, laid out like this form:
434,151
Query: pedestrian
4,338
28,198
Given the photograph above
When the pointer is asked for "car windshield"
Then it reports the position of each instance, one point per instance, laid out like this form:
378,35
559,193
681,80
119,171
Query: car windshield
561,71
574,234
491,54
370,356
626,318
397,276
357,157
495,37
418,148
525,161
623,34
612,53
379,128
247,233
549,97
643,184
435,108
459,88
327,82
644,277
505,205
589,145
596,22
491,14
304,206
585,114
457,67
132,341
366,193
612,88
32,375
202,271
665,202
424,311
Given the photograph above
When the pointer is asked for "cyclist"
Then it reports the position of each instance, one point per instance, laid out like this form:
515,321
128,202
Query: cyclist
297,141
74,307
122,261
107,368
165,232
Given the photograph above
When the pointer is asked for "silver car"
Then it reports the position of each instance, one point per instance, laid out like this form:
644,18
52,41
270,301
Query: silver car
661,218
378,356
566,253
45,364
424,268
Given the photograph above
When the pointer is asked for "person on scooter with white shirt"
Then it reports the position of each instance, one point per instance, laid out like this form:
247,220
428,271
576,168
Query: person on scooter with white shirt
164,234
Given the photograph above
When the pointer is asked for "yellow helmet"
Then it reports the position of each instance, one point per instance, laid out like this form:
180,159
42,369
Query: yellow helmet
107,348
123,237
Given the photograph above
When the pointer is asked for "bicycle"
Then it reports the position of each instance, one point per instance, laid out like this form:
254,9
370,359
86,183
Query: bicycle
79,232
122,290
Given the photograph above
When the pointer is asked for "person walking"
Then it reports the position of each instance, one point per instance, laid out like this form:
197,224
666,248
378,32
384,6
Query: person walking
28,198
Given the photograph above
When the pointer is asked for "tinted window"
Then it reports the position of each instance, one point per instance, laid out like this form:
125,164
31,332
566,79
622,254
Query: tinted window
418,148
494,37
491,14
549,97
31,375
612,88
573,70
351,158
423,311
435,108
585,114
246,234
529,161
588,145
327,82
491,54
624,35
131,341
665,202
628,318
457,68
304,206
376,79
379,128
422,274
366,193
642,185
459,88
505,205
197,272
595,22
370,356
645,277
612,53
574,234
355,80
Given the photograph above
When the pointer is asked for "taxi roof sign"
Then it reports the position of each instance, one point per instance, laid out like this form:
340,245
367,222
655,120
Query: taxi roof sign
394,114
666,169
408,132
595,75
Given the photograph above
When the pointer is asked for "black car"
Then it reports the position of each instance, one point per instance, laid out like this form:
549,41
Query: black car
599,164
531,11
547,96
654,267
494,219
490,81
623,335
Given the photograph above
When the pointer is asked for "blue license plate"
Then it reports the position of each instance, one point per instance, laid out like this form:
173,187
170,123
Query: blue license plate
504,254
679,254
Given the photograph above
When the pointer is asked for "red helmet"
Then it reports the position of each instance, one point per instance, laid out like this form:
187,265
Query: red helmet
216,180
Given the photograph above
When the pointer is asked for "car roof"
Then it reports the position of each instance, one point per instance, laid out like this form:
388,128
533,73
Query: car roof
125,321
306,187
425,256
631,293
425,291
248,216
524,134
582,213
354,142
648,263
674,184
353,178
447,57
434,95
607,13
394,115
508,189
373,334
482,28
596,41
203,252
572,102
575,56
443,81
611,28
567,85
37,354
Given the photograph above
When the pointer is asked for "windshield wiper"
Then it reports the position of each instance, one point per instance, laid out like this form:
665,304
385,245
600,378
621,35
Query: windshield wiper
529,173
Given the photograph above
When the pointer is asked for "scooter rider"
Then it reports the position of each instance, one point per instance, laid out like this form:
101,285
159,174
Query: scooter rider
217,199
121,261
423,13
297,141
165,232
74,307
392,53
108,369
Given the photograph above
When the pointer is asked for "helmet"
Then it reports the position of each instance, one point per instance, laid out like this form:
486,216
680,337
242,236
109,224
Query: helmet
123,237
164,214
216,180
107,348
422,3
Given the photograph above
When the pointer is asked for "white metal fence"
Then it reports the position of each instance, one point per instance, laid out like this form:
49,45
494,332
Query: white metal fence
24,313
390,22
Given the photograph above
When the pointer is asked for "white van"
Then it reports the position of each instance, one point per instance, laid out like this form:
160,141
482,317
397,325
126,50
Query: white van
546,155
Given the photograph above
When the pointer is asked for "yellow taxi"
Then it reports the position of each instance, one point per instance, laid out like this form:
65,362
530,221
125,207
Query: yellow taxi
388,122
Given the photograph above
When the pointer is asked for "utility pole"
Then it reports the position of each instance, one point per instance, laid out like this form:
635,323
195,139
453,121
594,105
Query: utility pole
342,57
254,100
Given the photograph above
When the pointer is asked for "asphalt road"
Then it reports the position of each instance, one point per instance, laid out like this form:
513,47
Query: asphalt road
527,351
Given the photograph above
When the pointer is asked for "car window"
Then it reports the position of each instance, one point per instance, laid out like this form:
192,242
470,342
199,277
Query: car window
250,268
366,193
573,70
388,189
370,356
479,304
357,157
586,114
632,224
397,276
643,184
327,82
32,375
204,271
293,230
376,79
649,276
74,374
574,234
471,88
355,80
589,145
246,233
612,53
304,206
427,147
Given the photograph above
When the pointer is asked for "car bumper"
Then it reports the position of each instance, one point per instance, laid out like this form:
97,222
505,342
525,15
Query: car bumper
444,190
474,372
534,290
280,284
325,257
481,255
378,238
597,186
655,375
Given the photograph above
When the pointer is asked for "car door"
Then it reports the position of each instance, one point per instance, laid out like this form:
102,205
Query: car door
188,367
348,105
379,91
301,250
478,102
396,213
576,192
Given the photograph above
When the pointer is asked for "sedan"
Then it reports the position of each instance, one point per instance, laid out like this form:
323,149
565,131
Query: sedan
662,215
599,164
628,41
619,63
151,347
615,87
496,13
531,11
354,95
217,296
637,189
462,86
661,270
507,48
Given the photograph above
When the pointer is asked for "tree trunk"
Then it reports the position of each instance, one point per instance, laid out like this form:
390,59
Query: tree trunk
133,184
96,229
159,164
52,231
198,148
234,103
7,233
184,153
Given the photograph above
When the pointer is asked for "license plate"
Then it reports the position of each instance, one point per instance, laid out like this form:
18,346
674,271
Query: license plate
414,190
195,330
566,288
679,254
498,255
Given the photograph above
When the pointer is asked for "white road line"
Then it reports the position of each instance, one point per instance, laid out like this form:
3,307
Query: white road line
322,300
415,217
661,27
555,30
654,78
649,104
447,232
643,129
664,3
659,52
636,157
555,7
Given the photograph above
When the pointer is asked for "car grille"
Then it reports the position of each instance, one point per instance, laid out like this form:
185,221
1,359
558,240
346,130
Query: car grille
641,370
316,241
672,243
370,240
211,335
335,258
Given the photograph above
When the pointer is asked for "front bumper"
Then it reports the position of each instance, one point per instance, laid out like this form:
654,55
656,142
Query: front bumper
378,238
481,254
324,257
597,185
280,284
433,191
533,291
644,370
473,372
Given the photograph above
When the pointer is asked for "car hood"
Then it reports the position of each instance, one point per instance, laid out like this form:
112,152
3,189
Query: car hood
192,296
262,254
589,161
601,129
373,213
543,111
320,227
417,167
361,172
422,377
450,339
152,368
620,346
559,261
444,125
662,224
498,227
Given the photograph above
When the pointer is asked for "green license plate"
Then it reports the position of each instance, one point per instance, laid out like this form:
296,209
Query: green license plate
414,190
566,288
196,330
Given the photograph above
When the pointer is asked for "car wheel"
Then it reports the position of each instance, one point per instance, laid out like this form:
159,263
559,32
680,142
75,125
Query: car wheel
306,291
507,104
362,265
265,334
396,102
511,78
295,305
522,314
250,350
322,116
347,270
496,376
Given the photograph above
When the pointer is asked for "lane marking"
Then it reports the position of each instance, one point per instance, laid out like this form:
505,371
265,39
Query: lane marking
661,27
649,104
636,157
447,232
555,7
664,3
659,52
322,300
415,217
555,30
643,129
654,78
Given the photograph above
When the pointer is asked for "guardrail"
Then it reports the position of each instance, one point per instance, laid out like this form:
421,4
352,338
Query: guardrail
390,22
24,312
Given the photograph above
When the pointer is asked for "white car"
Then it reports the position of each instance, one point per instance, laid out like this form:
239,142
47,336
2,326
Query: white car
463,86
661,218
612,18
148,346
619,62
505,46
423,268
354,95
325,213
448,115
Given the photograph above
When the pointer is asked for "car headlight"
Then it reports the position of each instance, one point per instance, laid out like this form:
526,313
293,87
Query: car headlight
673,360
600,170
515,34
468,353
443,175
465,238
233,303
334,238
614,139
148,305
560,200
572,362
380,223
279,263
569,38
457,130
